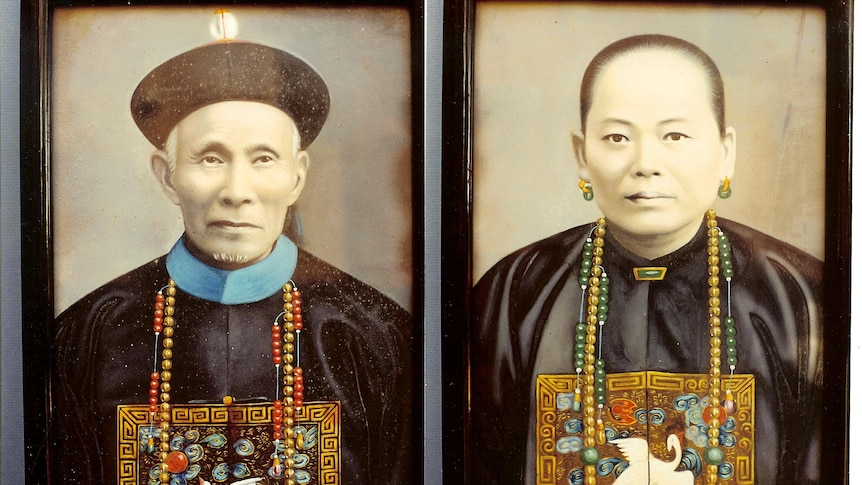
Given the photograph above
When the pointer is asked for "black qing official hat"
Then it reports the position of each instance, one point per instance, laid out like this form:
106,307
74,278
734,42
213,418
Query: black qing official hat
230,71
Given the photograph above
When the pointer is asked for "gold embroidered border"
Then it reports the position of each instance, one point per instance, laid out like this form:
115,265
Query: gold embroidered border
326,415
553,410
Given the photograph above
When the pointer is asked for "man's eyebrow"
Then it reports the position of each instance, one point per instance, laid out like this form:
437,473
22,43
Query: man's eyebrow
261,147
211,146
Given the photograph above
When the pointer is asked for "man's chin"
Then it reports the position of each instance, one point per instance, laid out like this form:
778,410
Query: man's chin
228,255
231,259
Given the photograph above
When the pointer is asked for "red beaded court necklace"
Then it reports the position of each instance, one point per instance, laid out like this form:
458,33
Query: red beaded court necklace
286,330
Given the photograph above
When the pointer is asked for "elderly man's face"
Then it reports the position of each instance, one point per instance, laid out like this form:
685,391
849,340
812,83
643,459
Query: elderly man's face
236,175
652,149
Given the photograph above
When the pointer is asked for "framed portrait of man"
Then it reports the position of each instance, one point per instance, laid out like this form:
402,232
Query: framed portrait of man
654,208
222,230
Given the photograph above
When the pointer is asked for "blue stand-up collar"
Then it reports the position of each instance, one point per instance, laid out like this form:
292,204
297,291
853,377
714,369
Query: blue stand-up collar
247,285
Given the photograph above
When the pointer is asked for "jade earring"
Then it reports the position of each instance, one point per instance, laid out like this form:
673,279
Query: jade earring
586,189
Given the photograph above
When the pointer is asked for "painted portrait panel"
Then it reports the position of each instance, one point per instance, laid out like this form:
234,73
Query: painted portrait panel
600,349
118,252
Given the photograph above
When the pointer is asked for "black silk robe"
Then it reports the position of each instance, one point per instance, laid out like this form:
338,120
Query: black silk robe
659,326
355,350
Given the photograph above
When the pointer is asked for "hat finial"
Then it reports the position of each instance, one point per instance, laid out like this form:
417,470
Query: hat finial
224,26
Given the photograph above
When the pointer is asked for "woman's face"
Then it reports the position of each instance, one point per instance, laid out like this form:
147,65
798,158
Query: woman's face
651,148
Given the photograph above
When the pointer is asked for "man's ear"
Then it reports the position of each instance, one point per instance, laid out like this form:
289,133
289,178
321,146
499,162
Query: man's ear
301,162
580,156
161,169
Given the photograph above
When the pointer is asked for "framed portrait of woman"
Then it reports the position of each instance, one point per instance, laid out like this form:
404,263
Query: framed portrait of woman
653,201
222,242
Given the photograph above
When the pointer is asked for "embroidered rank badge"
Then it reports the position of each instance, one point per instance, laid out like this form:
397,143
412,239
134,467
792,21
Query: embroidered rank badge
226,444
654,430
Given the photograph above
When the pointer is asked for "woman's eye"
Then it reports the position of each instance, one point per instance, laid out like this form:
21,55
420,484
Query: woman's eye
616,138
675,136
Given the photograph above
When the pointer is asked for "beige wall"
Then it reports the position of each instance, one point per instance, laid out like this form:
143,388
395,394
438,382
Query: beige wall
109,215
529,59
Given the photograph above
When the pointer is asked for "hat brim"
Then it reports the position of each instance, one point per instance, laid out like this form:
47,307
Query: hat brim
230,71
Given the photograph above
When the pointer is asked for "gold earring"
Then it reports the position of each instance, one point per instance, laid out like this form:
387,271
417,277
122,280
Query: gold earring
724,189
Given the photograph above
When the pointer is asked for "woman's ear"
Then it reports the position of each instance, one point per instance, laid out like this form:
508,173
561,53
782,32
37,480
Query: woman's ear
580,156
728,162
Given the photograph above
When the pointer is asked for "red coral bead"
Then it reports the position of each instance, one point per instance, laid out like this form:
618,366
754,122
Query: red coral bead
297,394
277,360
277,435
297,386
277,404
297,371
177,462
155,376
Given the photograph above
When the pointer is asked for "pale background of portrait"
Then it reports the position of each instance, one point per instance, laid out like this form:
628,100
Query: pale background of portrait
109,214
529,61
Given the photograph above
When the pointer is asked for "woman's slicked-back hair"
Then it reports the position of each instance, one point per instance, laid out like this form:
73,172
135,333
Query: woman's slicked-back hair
639,43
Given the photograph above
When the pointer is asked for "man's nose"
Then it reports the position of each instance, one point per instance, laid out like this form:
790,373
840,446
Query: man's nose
648,158
238,185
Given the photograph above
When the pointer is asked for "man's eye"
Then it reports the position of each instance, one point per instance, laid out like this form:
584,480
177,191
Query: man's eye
675,136
615,138
211,160
264,159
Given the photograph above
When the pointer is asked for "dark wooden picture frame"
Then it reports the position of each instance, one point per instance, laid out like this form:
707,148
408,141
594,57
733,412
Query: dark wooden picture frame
382,171
463,172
